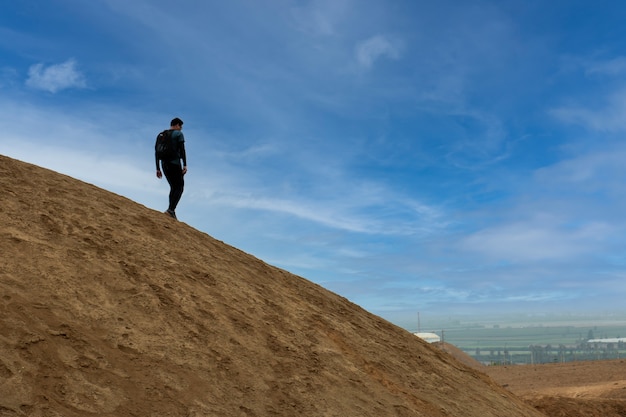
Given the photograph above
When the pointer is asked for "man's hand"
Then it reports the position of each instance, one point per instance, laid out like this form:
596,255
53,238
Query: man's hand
159,174
184,170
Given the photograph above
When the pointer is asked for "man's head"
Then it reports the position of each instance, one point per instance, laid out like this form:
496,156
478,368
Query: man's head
176,123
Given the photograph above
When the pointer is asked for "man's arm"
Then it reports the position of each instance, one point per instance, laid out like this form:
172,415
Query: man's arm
183,154
158,168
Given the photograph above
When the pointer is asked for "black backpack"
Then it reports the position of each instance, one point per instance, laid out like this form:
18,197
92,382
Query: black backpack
165,146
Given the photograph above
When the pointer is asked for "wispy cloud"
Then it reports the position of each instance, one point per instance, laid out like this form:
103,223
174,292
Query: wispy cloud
359,210
373,49
609,117
56,77
613,67
532,241
597,170
320,17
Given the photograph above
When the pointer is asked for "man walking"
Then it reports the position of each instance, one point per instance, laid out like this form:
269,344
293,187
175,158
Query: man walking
172,168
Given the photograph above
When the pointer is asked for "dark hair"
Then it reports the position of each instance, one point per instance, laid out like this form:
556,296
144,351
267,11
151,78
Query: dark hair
176,121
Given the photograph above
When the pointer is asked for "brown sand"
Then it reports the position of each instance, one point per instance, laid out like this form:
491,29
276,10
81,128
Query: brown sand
108,308
572,389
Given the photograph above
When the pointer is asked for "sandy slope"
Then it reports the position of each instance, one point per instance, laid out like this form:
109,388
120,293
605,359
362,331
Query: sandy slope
108,308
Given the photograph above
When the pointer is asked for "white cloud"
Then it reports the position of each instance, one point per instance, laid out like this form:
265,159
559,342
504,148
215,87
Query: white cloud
340,214
55,77
374,48
608,120
597,170
316,19
612,67
536,241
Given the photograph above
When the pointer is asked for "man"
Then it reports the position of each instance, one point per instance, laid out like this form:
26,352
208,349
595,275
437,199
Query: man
172,167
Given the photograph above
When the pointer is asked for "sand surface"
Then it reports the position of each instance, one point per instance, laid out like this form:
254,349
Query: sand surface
108,308
572,389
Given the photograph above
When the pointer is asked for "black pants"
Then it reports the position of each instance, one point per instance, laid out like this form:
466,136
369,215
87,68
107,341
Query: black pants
174,175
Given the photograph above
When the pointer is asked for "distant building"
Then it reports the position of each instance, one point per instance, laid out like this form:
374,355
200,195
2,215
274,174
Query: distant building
428,337
608,340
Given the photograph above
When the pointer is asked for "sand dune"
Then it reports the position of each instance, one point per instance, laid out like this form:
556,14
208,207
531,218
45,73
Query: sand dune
109,308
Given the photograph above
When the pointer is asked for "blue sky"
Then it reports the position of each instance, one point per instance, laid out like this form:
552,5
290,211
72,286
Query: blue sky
441,157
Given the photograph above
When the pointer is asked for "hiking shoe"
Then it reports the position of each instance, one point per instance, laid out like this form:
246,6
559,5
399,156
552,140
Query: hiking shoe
171,213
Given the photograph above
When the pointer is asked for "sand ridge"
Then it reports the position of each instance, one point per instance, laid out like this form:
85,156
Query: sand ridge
109,308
